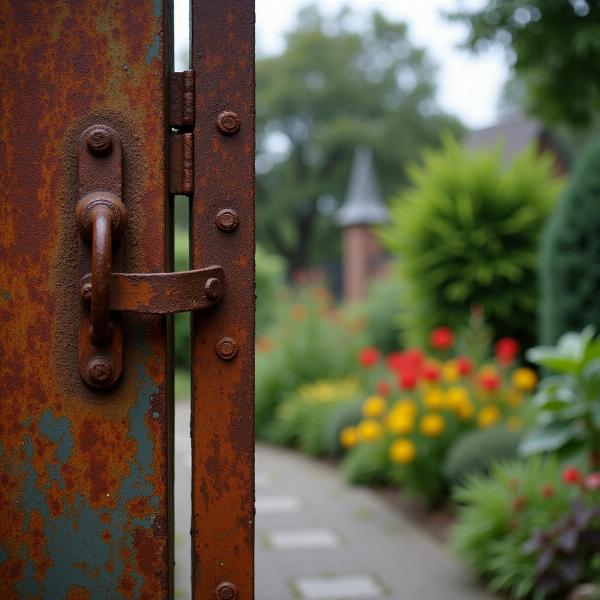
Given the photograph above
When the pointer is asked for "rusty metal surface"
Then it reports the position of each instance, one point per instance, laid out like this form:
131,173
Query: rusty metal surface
84,474
181,99
223,343
165,293
182,164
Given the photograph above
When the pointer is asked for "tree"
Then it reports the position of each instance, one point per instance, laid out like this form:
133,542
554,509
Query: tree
554,46
335,87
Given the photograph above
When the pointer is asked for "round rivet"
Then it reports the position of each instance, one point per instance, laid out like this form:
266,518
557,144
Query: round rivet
213,288
100,371
99,140
86,292
226,348
226,591
227,219
228,122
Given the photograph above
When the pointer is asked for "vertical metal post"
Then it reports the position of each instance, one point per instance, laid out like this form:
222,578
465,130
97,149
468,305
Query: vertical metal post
223,342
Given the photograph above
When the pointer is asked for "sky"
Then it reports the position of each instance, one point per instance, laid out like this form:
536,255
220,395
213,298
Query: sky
468,86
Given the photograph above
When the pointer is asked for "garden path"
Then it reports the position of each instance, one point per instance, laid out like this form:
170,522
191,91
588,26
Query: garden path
319,539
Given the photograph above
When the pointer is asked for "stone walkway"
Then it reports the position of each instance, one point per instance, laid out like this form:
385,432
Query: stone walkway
318,539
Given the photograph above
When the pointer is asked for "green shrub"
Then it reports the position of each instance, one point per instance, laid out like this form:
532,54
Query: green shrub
301,419
465,235
570,254
344,415
475,451
498,513
367,464
307,342
270,270
379,312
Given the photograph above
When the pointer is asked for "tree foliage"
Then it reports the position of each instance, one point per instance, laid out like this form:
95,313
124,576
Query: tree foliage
335,86
555,48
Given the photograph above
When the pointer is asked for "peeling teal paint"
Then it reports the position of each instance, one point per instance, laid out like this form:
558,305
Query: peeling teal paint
157,8
153,50
74,538
6,295
3,554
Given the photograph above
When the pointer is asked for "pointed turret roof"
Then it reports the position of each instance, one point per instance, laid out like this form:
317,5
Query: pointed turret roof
363,204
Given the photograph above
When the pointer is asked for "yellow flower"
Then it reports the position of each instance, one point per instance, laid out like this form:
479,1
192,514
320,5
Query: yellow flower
524,379
450,371
349,437
373,406
432,425
369,430
514,423
488,416
400,421
434,398
403,451
456,397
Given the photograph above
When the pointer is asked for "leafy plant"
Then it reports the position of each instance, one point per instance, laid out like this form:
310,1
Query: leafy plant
568,401
367,464
568,551
570,254
465,235
498,513
341,417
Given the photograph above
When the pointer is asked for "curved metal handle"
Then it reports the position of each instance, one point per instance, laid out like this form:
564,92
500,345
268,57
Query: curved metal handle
101,330
101,217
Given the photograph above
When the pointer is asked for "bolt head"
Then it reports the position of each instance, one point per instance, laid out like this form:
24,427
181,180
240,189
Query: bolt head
228,122
226,591
100,371
227,220
227,348
213,288
99,141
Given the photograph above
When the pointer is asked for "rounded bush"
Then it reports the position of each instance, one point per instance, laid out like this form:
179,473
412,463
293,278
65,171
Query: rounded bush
466,235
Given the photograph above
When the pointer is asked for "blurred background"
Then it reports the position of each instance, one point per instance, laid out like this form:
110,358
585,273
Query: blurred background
428,248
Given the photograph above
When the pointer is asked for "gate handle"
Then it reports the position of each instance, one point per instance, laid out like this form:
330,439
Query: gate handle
101,217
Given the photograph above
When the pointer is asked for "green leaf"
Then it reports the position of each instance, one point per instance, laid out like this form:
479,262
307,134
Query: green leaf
548,438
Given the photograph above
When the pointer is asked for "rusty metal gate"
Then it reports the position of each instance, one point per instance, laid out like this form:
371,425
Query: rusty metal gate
97,135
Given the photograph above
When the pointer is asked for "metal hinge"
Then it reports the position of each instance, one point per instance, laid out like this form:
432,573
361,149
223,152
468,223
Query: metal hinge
181,118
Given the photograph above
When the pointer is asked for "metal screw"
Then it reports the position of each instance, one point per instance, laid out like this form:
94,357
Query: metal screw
226,348
228,122
213,288
226,591
86,292
227,219
100,371
99,140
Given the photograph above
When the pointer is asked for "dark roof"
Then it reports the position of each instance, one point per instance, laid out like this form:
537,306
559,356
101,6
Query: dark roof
515,133
363,204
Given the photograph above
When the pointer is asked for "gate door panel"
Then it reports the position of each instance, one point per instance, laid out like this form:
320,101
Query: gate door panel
96,135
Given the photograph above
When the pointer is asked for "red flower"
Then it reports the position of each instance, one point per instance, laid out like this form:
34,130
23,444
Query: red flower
518,503
407,380
490,382
464,365
441,338
383,387
413,357
431,372
592,481
395,361
571,475
368,356
507,350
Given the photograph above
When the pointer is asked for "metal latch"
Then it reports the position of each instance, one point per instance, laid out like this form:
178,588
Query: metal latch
101,219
